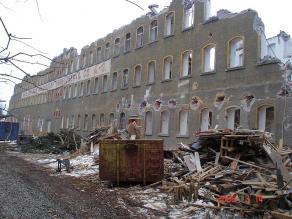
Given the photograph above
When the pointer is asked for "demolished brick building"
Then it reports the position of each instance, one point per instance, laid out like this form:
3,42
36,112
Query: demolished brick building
180,71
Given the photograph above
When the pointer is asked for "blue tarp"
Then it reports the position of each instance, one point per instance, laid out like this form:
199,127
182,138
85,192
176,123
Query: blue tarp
9,131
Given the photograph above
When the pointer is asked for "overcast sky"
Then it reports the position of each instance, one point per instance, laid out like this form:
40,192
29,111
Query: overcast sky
76,23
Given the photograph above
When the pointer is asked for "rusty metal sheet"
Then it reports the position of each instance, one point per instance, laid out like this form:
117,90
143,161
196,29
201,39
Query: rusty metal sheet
139,161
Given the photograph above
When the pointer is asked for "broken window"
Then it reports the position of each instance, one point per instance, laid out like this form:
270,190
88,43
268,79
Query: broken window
151,72
206,120
233,118
85,126
236,52
137,75
105,84
164,122
102,120
189,16
99,55
75,90
115,81
167,68
187,63
207,9
93,121
139,37
96,86
265,118
72,66
209,58
88,87
153,31
183,122
111,119
107,51
271,49
122,121
128,42
148,123
91,58
84,62
125,78
117,47
169,24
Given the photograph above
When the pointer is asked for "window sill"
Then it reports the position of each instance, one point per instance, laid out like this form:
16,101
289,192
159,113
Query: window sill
185,77
153,42
187,28
87,95
168,36
166,80
136,86
235,68
113,90
95,93
208,73
126,52
103,92
150,83
182,136
124,88
268,62
140,47
163,135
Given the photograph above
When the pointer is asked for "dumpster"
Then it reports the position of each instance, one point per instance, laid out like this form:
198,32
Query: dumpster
131,161
9,131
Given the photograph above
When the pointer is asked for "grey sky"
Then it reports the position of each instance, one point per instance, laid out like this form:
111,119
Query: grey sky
67,23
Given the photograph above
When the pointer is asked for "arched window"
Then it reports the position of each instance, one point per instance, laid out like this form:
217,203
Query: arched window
79,122
102,120
91,58
186,64
236,52
88,87
93,122
85,126
107,51
105,84
137,75
117,47
128,42
153,31
233,117
122,121
266,118
151,72
169,24
125,78
99,55
115,81
206,120
183,122
72,122
164,122
148,123
167,68
139,37
111,119
209,58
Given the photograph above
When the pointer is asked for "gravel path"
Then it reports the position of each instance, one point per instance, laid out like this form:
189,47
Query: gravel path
29,191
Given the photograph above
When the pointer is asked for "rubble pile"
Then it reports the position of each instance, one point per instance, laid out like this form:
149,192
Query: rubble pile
65,140
237,170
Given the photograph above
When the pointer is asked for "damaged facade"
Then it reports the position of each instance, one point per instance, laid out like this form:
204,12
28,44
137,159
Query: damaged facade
180,71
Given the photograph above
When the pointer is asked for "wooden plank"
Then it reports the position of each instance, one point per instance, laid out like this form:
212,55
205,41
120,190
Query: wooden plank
217,158
249,164
197,161
279,215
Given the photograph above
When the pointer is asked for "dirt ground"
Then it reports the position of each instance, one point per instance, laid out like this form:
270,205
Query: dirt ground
30,191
